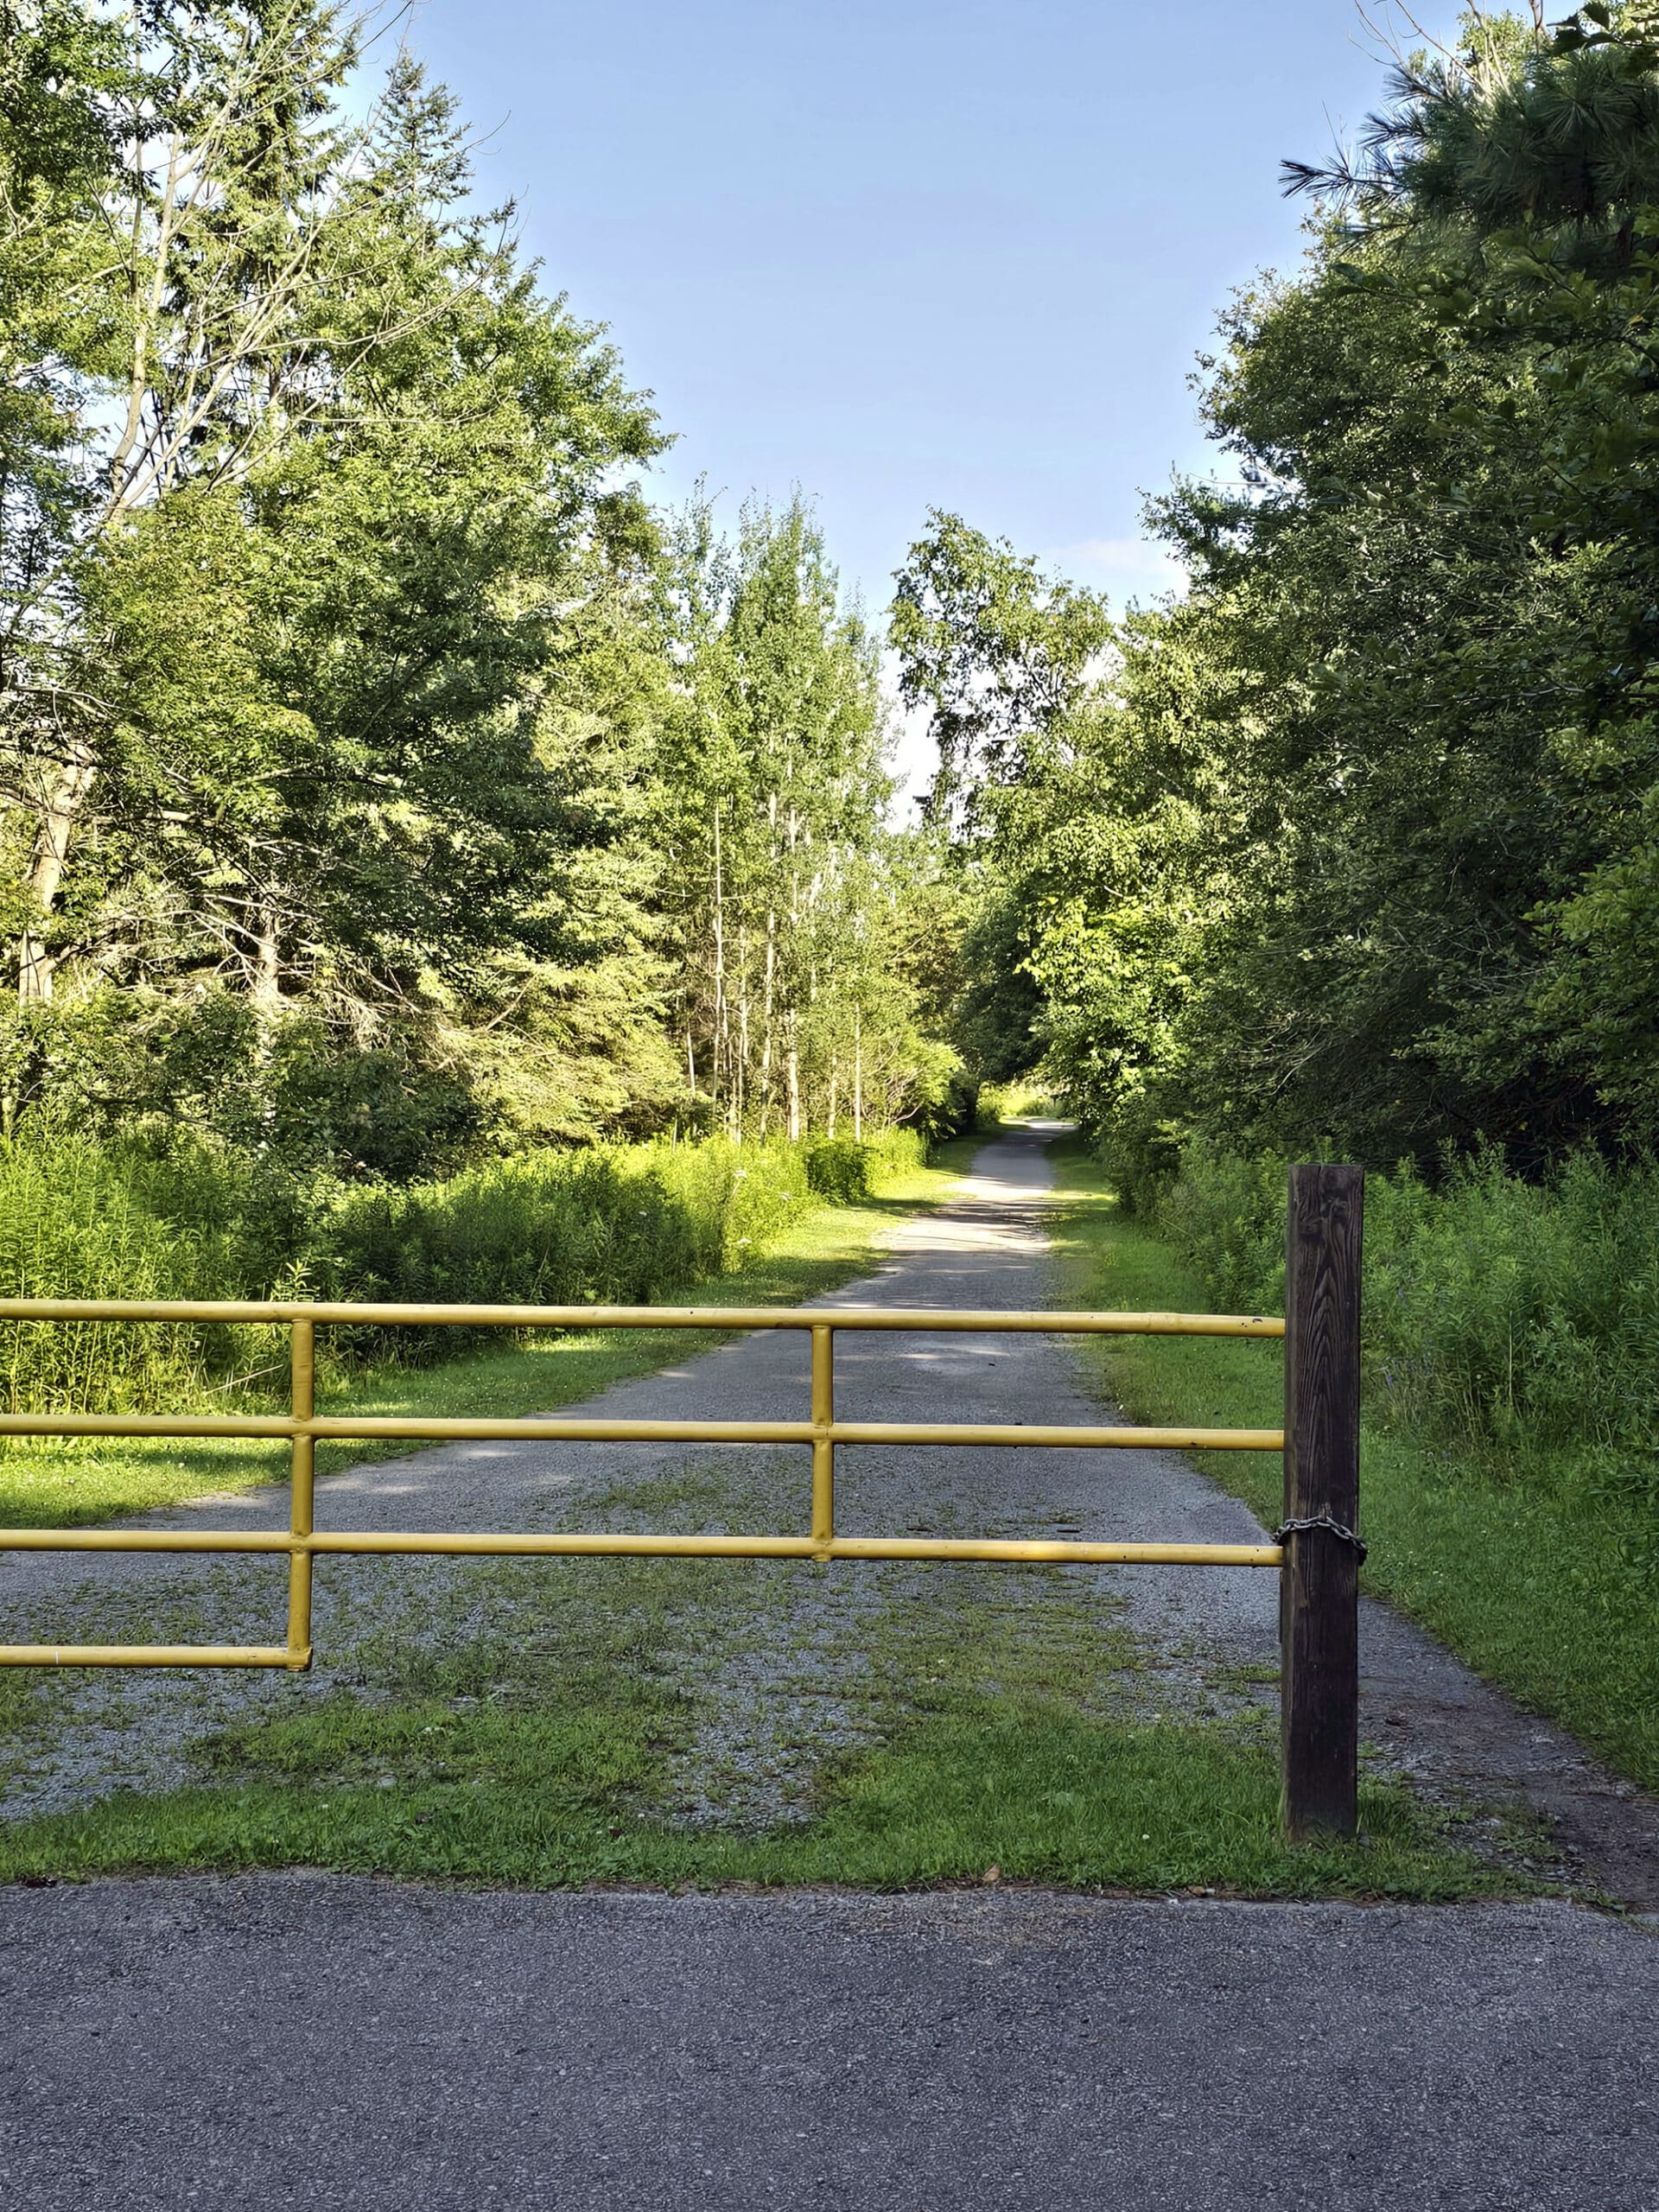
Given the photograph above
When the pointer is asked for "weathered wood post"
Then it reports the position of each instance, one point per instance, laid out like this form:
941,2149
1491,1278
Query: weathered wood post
1319,1612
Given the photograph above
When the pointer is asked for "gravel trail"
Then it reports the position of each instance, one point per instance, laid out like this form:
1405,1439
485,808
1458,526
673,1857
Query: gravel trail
779,1661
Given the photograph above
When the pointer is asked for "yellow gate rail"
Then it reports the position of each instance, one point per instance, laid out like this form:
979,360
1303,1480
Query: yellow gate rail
301,1426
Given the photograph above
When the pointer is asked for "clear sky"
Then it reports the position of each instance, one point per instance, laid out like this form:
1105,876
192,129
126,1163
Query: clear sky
912,254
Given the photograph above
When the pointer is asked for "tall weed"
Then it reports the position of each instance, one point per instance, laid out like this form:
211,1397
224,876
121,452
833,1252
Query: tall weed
83,1219
1521,1319
615,1225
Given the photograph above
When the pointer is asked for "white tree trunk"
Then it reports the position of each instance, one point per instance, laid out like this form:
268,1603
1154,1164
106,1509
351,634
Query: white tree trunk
74,780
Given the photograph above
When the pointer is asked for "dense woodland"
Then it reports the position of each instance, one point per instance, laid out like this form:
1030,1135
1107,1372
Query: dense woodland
399,814
385,782
1355,843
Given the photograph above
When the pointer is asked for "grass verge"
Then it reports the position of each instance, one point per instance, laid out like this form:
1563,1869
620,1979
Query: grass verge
983,1790
48,1483
1529,1587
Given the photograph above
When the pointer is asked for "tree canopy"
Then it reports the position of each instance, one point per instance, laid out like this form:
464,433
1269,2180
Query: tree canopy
363,730
1355,842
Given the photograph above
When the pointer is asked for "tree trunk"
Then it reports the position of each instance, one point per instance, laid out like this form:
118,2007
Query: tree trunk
765,1028
267,993
722,1014
740,1076
35,964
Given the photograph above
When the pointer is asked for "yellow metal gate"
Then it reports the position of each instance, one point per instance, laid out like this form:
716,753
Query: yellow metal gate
303,1426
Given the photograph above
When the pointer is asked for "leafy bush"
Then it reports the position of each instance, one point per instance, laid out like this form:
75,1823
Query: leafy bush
80,1219
123,1062
1519,1318
849,1170
840,1168
1225,1214
615,1225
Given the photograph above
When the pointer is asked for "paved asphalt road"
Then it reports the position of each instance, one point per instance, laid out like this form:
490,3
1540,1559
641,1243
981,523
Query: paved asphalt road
299,2040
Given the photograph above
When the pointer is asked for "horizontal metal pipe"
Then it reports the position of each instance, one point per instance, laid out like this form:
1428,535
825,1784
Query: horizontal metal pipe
150,1654
205,1426
1016,1552
147,1540
953,1320
579,1431
414,1428
359,1542
1172,1440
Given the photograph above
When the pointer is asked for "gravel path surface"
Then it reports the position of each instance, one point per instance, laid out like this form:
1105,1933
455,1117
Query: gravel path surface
781,1670
278,2041
779,1661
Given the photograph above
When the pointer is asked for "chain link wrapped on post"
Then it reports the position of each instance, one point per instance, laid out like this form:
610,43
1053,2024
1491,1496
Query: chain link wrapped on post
1331,1528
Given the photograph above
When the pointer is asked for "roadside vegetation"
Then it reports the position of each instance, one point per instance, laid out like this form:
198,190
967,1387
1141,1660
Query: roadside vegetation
1517,1544
704,1224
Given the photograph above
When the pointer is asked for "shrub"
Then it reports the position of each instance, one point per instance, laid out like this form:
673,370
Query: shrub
1226,1214
619,1224
1518,1317
840,1168
80,1219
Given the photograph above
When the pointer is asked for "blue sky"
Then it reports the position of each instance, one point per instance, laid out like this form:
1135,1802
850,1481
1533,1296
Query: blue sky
912,254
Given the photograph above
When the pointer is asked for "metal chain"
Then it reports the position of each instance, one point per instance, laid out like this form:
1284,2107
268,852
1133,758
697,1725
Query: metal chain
1320,1521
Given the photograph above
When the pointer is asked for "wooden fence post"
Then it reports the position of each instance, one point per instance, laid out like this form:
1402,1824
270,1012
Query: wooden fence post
1319,1581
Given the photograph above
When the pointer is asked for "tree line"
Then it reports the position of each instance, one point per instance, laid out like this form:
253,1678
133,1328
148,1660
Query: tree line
1357,842
384,780
381,777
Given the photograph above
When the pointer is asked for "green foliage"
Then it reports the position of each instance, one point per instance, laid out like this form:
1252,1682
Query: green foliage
81,1219
1558,132
1529,1563
1514,1319
376,786
190,1218
1355,844
787,893
332,608
1225,1216
612,1226
1000,654
995,650
848,1172
293,1089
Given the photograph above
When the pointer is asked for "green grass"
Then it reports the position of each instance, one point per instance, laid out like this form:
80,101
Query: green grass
1527,1585
1019,1793
543,1757
46,1484
541,1730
